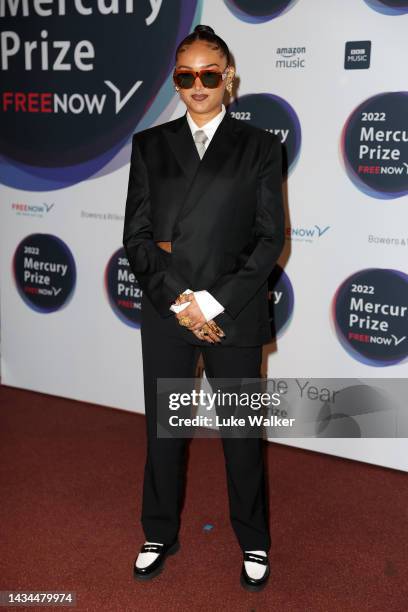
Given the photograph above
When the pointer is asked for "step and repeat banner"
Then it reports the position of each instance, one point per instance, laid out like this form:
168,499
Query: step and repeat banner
79,77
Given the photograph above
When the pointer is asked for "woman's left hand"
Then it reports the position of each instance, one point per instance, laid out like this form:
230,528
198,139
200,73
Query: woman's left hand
192,311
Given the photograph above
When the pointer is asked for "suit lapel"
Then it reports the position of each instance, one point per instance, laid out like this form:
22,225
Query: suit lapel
183,146
201,173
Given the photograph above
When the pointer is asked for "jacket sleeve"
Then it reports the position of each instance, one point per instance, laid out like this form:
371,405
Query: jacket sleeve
160,282
235,289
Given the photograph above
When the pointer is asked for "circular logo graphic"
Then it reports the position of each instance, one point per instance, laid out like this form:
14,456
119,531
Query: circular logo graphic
274,114
281,301
44,272
258,11
370,313
122,289
374,145
76,81
389,7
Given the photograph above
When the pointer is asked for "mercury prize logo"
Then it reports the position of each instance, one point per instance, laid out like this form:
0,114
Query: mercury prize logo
274,114
44,272
374,145
389,7
258,11
370,312
76,83
281,301
122,289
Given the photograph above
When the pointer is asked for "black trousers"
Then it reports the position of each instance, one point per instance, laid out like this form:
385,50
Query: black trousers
166,354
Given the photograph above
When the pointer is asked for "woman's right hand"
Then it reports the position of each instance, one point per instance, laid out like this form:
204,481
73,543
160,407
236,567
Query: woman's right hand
210,332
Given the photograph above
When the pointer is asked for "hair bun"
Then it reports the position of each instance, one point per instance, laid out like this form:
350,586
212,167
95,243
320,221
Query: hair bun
203,28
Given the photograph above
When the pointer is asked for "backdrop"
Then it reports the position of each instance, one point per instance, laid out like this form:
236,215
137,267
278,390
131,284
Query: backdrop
79,78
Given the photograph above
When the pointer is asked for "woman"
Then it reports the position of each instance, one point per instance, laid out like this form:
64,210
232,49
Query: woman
204,227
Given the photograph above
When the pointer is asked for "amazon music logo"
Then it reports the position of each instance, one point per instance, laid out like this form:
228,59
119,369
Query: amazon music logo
44,272
122,289
370,313
290,57
74,86
258,11
281,301
389,7
276,115
374,144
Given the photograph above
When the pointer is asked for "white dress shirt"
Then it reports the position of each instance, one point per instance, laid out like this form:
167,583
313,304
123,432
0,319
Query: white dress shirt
209,306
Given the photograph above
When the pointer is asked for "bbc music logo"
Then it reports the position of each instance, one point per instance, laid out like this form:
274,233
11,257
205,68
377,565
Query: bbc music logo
357,55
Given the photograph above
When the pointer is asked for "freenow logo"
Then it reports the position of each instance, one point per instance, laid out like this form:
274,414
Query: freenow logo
290,57
31,210
374,144
258,11
306,234
370,312
389,7
75,84
357,55
75,103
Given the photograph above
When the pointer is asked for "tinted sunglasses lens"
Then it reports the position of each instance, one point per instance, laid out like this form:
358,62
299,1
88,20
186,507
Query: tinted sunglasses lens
211,79
185,80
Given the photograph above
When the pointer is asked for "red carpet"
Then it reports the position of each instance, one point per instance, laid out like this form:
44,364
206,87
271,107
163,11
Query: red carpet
71,476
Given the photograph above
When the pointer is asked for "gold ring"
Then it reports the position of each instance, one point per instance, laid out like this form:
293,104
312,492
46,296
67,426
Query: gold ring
214,327
185,321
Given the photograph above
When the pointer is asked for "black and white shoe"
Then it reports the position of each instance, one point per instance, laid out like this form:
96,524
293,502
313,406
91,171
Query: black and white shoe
150,560
255,570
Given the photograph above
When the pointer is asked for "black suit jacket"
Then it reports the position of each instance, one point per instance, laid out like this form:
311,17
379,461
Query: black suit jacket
224,215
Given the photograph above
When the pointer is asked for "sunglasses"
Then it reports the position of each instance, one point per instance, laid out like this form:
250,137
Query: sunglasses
211,79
